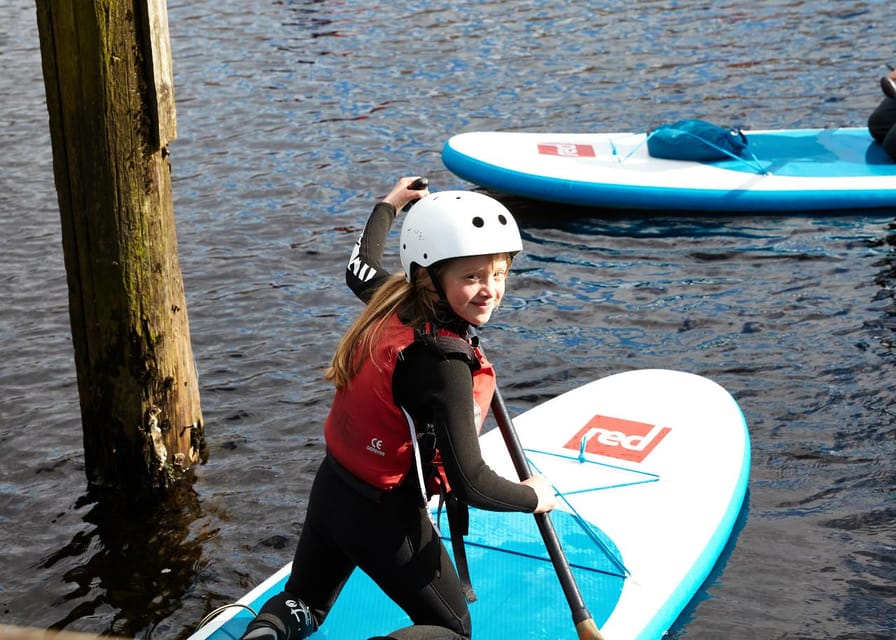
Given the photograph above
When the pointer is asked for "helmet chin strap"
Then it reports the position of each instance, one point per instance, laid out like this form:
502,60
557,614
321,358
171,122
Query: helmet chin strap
442,305
436,284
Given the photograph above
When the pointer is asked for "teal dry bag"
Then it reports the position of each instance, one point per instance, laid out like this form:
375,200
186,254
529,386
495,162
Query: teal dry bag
695,140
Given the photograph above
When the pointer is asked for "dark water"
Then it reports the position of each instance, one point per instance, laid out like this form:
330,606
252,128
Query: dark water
293,117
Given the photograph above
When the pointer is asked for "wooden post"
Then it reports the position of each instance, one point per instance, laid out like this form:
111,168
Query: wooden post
107,72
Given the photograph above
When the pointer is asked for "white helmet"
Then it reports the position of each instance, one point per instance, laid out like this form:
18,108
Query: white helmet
455,224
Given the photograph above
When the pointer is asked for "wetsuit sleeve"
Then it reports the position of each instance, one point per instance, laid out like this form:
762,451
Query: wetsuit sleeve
365,272
439,390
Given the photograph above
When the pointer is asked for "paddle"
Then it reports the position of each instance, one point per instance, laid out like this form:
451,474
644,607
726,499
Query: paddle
585,625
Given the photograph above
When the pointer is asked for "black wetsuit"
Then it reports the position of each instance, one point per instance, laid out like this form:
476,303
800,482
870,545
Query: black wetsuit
391,536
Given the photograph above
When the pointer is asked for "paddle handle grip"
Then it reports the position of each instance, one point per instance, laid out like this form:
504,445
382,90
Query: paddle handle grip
545,526
419,184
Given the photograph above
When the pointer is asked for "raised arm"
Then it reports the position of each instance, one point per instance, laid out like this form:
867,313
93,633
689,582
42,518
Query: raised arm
365,271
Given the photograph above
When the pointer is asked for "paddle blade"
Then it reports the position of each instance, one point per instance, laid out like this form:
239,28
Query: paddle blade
587,630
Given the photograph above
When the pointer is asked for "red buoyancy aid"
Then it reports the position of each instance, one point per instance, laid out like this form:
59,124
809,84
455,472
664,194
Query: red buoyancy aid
366,432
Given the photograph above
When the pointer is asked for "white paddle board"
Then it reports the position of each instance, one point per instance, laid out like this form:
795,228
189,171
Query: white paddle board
651,470
783,170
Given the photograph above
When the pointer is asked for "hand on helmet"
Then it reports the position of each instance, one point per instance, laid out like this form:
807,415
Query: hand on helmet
402,194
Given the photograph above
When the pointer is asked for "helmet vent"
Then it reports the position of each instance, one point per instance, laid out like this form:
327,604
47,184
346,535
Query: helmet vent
502,218
478,222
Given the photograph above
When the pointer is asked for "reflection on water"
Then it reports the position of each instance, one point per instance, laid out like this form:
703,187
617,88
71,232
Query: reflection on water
886,280
293,117
131,566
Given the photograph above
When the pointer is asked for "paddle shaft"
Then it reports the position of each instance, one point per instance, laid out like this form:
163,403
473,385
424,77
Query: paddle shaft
580,614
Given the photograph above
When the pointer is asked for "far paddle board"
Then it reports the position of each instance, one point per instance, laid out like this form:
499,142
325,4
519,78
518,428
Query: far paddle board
783,170
651,470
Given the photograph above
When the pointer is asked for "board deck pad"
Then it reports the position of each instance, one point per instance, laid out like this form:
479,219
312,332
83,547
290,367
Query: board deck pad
782,170
651,471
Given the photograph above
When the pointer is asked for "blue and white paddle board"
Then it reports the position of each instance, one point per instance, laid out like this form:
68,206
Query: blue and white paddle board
782,171
651,470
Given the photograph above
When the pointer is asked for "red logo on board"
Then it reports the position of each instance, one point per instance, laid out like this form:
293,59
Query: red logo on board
566,149
618,438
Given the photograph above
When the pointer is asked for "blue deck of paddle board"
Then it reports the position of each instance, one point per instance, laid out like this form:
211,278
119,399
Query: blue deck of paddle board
519,595
834,153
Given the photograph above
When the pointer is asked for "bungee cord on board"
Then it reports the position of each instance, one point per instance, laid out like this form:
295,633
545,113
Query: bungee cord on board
752,162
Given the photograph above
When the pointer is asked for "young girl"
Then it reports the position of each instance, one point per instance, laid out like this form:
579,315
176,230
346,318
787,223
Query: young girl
412,391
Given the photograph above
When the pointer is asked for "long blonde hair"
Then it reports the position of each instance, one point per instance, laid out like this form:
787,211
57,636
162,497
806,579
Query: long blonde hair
413,301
